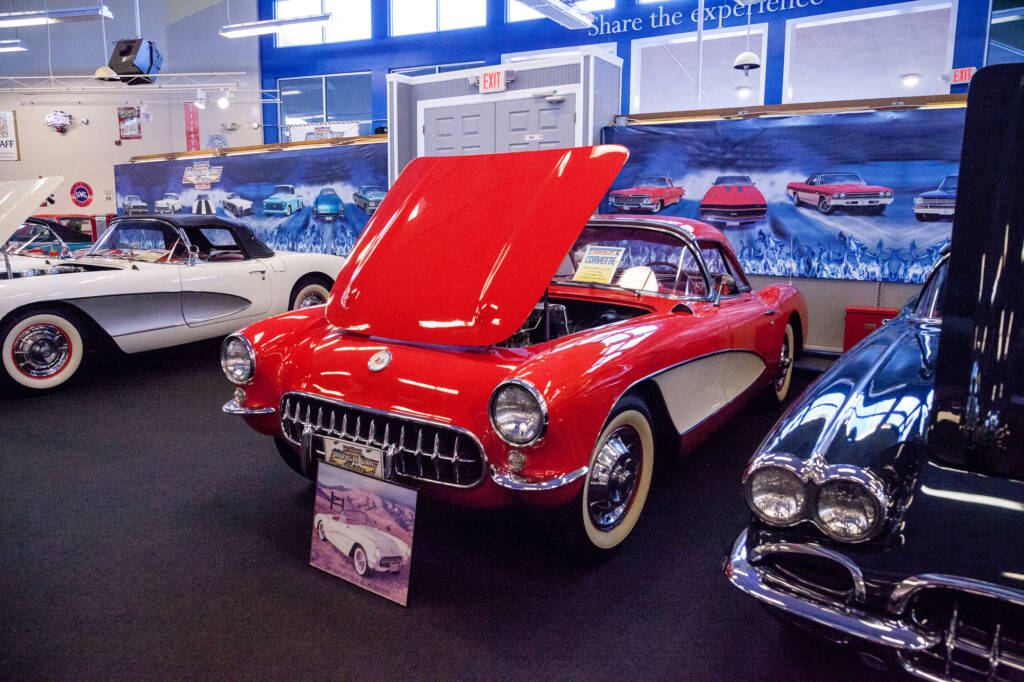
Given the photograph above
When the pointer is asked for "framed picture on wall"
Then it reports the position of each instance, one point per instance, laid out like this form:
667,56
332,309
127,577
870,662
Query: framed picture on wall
129,123
8,137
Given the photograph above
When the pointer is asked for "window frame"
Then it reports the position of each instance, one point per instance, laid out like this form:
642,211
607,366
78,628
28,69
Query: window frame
323,98
437,21
323,30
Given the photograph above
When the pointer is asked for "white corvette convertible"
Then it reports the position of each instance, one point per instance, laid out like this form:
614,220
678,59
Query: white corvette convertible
368,548
149,282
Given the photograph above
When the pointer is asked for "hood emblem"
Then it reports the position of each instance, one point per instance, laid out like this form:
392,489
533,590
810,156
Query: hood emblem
379,361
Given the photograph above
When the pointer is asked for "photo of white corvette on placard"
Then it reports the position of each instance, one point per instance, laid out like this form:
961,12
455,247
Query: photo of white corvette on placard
362,530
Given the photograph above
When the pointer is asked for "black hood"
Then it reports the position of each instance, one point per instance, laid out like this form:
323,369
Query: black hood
977,419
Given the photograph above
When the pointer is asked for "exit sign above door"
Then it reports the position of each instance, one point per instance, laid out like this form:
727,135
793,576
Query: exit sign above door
493,81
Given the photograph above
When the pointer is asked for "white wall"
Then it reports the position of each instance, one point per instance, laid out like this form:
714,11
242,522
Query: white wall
185,32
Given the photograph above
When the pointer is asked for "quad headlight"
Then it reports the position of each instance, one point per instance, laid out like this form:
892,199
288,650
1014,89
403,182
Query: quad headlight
846,510
237,359
518,412
847,503
776,495
918,201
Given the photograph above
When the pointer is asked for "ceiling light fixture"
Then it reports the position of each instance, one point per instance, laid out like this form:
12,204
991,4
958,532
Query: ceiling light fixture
743,92
563,13
224,100
910,80
257,28
40,17
200,100
286,93
15,45
747,61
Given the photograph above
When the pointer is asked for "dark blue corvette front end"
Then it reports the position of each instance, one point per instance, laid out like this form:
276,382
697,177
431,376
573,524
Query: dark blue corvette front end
888,501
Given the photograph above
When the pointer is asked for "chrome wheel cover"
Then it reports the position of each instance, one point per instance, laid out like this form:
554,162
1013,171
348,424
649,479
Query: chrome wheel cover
359,560
614,478
41,350
785,363
310,299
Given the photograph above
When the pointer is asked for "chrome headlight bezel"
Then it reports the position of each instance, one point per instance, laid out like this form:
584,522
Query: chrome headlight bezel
801,503
541,406
815,477
249,352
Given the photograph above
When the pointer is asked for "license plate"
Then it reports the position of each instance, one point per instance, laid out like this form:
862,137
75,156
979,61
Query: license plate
361,459
732,223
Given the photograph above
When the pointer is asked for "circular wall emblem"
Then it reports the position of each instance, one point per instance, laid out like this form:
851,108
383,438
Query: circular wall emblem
379,361
81,194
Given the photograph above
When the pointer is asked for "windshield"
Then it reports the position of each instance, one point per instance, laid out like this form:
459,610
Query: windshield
929,303
327,190
371,189
141,240
734,180
652,181
634,258
841,179
356,518
132,198
29,237
949,183
282,189
170,196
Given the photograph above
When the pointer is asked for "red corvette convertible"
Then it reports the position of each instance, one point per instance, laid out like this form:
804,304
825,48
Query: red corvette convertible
733,199
542,355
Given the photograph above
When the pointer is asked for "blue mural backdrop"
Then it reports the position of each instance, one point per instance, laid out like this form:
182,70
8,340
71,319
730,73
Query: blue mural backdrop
909,153
236,187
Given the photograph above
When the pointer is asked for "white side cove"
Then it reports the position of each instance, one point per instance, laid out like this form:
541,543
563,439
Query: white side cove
698,389
21,198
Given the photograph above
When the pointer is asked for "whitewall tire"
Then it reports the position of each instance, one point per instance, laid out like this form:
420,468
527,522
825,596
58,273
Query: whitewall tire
784,373
309,294
42,350
619,478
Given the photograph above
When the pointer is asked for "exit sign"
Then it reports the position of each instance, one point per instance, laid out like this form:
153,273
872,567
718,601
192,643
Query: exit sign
492,81
963,75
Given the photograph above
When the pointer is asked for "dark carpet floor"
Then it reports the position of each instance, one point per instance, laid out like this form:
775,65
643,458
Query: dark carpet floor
147,535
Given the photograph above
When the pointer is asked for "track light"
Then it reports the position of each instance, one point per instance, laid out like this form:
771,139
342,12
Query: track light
200,101
256,28
224,100
41,17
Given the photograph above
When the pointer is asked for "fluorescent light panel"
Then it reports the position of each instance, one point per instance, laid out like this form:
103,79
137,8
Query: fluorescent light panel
12,45
40,17
257,28
562,13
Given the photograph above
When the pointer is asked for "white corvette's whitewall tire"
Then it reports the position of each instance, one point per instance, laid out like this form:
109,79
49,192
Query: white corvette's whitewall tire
42,350
310,293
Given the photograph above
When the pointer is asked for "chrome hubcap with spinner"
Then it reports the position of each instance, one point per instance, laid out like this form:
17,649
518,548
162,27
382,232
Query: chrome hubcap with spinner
614,478
42,350
785,362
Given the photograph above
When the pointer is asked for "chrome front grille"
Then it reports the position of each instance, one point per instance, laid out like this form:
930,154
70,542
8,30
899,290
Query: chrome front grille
939,203
982,636
422,450
863,195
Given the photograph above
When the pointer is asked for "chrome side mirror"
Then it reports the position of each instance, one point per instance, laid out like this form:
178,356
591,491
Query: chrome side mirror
193,255
726,282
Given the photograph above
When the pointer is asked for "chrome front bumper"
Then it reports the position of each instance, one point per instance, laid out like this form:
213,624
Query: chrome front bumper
232,407
862,201
513,482
886,632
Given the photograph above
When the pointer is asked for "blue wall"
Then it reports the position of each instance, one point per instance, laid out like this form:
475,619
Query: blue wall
487,43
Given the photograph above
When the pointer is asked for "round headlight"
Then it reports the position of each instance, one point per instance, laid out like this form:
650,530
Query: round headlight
237,359
776,495
918,201
846,510
518,413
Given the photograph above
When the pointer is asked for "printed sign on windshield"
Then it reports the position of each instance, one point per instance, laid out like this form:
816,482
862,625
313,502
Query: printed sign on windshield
599,264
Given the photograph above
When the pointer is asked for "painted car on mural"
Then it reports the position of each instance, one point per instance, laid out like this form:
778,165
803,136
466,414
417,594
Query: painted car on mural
237,205
368,198
168,203
284,201
888,501
937,204
134,205
202,205
148,283
549,357
370,549
652,193
832,191
328,205
733,199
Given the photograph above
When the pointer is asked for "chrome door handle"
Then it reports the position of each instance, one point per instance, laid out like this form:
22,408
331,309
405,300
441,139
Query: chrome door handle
769,313
261,273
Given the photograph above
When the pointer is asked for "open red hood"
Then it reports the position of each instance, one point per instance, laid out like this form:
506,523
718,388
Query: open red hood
462,248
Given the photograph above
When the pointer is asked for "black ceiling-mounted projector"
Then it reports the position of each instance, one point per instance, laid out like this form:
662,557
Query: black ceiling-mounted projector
136,61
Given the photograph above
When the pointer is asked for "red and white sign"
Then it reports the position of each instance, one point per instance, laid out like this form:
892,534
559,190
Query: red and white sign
963,75
492,81
81,194
191,127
